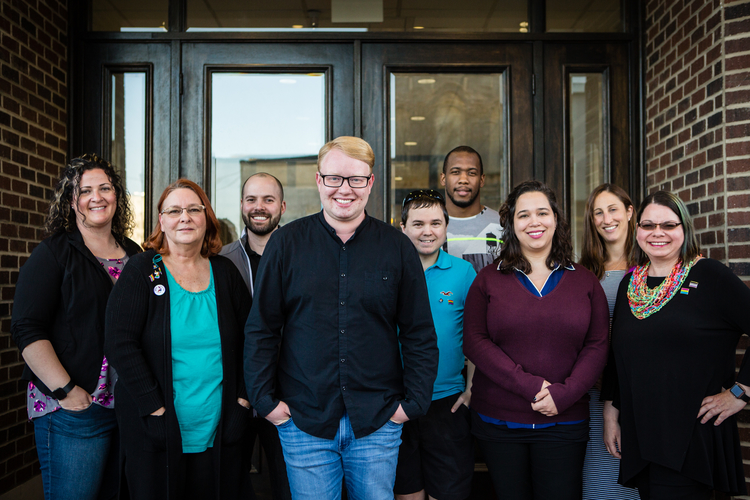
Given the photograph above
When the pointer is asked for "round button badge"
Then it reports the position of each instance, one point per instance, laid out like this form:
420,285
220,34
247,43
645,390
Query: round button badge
159,290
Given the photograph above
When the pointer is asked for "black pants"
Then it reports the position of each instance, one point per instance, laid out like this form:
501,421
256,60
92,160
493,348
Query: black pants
534,464
268,436
661,483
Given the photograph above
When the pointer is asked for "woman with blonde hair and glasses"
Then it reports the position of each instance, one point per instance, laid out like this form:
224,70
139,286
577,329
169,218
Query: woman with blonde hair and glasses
174,333
609,227
671,375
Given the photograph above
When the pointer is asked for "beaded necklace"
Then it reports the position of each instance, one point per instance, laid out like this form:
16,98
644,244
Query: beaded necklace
645,301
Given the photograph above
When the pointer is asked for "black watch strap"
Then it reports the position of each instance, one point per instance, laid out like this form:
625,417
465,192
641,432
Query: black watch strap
62,392
739,393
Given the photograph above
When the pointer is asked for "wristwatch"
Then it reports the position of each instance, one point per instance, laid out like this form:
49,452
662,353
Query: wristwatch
62,392
739,393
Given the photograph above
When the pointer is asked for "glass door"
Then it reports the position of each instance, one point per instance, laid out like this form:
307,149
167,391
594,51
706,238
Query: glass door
587,125
426,99
251,108
123,115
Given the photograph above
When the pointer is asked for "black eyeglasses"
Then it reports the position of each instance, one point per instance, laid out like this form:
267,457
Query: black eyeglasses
665,226
422,193
355,181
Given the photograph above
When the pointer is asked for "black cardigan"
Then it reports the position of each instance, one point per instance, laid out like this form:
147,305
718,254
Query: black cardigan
61,296
138,346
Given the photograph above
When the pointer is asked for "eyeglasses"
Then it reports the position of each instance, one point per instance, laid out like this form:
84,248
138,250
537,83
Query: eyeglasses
665,226
355,181
422,193
192,211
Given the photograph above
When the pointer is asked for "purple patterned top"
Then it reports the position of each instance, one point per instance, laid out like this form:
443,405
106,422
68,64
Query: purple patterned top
39,404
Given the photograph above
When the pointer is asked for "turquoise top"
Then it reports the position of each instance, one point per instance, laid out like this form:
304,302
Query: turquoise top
197,370
448,282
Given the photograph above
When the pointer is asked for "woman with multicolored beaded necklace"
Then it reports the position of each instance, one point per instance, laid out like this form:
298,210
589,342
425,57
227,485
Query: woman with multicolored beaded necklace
672,370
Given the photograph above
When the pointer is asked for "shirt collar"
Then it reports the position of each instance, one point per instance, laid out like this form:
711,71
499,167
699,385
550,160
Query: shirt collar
330,230
442,262
569,267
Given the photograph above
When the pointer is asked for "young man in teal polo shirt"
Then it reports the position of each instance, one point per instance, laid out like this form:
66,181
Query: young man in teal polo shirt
436,456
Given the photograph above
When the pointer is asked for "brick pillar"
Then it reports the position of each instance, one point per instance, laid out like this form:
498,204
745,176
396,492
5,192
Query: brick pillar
33,147
697,63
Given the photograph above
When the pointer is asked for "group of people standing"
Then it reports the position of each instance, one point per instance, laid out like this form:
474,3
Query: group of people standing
373,357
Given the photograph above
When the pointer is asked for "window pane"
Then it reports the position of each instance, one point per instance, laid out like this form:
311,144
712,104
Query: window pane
587,144
363,15
128,141
602,16
433,113
129,15
272,123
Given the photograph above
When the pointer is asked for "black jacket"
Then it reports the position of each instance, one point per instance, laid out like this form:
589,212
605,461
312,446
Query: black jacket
138,346
61,296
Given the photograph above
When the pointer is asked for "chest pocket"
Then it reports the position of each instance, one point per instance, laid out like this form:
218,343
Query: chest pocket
381,292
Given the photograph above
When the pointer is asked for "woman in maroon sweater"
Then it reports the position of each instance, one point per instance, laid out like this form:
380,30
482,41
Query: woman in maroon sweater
536,327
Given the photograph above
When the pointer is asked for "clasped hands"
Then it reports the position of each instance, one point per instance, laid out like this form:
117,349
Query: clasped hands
543,402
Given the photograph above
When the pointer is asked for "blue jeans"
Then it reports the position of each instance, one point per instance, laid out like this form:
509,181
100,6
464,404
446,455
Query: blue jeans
78,453
316,466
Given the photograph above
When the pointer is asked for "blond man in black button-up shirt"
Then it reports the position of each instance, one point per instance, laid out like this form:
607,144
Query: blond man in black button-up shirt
348,293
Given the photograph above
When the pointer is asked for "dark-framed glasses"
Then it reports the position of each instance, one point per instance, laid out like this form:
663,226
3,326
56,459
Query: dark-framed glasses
355,181
423,193
669,225
192,211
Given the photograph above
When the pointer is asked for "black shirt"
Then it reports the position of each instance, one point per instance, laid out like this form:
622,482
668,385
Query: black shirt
253,257
344,308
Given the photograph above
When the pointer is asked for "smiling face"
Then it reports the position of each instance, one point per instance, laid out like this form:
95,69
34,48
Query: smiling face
262,206
426,228
462,179
183,230
661,247
96,202
611,218
343,204
534,224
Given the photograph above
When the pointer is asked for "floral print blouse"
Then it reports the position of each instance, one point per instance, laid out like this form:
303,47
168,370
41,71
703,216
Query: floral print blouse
39,404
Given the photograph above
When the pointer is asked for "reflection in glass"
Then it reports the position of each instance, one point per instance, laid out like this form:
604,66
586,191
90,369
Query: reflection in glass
128,141
601,16
433,113
261,122
338,15
587,143
129,15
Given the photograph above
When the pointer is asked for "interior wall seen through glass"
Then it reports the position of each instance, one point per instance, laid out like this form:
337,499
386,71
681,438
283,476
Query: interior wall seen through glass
128,15
363,15
273,123
587,144
576,16
128,141
432,113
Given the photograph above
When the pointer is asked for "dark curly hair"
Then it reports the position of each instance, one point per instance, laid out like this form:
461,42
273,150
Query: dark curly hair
511,254
62,218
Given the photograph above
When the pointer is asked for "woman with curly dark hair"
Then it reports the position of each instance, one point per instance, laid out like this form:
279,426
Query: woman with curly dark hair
58,324
175,332
535,326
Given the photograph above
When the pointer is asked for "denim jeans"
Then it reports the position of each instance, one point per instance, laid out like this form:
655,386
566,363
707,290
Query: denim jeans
316,466
78,453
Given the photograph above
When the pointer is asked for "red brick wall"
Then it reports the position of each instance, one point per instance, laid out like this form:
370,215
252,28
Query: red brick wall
33,146
697,63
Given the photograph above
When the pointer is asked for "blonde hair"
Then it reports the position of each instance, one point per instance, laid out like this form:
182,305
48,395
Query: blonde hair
353,147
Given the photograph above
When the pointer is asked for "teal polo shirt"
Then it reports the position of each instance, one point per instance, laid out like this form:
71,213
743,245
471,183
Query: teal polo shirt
448,282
